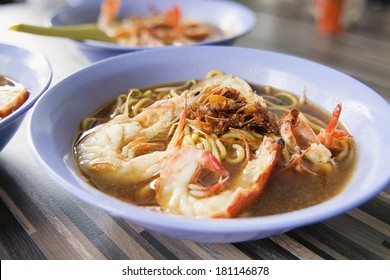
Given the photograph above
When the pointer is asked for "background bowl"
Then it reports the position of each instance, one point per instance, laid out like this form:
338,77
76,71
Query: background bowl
80,2
365,114
232,17
30,69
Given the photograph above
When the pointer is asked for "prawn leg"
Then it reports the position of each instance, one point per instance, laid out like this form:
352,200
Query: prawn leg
199,191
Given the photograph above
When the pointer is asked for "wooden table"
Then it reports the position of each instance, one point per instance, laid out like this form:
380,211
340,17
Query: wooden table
39,220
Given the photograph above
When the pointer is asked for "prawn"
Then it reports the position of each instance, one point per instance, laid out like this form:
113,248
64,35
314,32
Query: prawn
109,10
177,189
331,133
302,142
109,152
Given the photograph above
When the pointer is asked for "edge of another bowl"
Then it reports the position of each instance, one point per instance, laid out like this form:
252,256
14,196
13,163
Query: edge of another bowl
59,17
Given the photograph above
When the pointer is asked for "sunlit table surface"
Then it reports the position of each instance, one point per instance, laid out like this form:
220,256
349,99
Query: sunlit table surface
39,220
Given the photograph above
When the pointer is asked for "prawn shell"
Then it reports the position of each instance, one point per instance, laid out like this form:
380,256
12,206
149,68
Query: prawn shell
246,197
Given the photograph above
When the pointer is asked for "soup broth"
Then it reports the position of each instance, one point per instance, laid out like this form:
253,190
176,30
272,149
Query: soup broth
289,187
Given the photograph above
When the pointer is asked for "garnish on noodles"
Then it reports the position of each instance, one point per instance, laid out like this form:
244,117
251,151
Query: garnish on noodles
216,148
159,28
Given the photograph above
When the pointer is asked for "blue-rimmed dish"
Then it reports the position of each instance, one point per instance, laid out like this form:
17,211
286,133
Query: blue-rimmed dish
233,18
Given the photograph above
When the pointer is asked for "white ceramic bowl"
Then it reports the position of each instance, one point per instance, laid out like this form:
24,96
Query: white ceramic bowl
32,70
365,114
232,17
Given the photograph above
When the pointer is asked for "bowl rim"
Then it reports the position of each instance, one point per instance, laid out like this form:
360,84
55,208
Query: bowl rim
30,100
250,20
139,215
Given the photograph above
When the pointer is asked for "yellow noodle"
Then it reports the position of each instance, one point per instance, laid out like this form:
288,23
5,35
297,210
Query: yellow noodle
195,136
123,95
145,191
199,146
280,97
277,108
140,104
148,93
180,87
127,104
267,89
122,98
345,150
188,141
235,135
293,99
126,110
119,102
351,153
214,149
257,135
173,93
205,144
221,148
316,121
315,127
270,98
87,123
187,129
172,129
187,138
212,144
240,154
162,95
213,73
135,93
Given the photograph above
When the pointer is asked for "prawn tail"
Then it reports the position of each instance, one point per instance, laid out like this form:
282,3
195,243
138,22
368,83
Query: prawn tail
331,132
173,15
109,10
